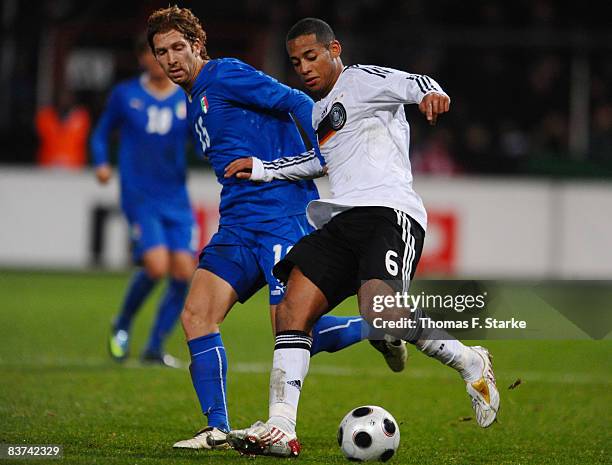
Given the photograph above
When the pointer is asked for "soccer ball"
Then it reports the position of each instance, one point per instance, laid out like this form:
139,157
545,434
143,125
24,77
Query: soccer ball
368,433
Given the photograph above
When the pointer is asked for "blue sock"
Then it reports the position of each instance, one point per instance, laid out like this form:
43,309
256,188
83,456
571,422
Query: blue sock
139,288
333,333
169,311
208,372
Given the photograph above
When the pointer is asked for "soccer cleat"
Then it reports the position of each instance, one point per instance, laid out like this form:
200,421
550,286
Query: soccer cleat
483,391
394,351
207,438
119,344
264,439
156,358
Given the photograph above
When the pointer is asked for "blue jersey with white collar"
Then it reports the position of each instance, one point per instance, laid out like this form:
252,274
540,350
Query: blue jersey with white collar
152,137
236,111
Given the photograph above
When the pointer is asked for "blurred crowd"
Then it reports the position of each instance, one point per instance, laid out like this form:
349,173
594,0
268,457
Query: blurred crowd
529,80
525,78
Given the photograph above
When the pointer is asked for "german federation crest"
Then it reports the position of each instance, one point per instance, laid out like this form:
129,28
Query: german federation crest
337,116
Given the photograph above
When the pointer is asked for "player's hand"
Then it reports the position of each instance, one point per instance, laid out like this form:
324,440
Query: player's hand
434,104
104,173
241,168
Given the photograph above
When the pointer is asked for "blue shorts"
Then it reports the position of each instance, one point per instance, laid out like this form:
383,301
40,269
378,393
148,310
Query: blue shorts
244,254
150,228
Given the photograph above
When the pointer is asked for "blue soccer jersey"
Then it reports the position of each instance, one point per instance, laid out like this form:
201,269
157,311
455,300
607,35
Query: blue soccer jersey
153,133
236,111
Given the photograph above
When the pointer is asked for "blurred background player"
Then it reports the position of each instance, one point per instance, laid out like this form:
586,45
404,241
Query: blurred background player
234,111
150,113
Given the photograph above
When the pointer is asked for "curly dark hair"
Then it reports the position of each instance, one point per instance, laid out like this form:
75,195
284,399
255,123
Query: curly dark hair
179,19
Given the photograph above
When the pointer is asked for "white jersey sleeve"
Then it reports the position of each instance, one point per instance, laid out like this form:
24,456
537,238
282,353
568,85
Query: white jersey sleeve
382,85
304,166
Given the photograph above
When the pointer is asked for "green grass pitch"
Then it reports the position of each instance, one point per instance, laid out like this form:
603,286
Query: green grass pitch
57,385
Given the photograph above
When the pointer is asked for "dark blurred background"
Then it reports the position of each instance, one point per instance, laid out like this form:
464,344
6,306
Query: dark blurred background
529,80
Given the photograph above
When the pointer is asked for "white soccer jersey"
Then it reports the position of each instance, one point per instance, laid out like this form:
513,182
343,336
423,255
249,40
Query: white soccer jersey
364,137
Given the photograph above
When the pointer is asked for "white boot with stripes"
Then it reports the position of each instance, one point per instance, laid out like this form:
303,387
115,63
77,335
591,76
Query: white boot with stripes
264,439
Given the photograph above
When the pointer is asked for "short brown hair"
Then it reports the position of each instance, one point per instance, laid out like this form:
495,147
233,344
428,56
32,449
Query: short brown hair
181,20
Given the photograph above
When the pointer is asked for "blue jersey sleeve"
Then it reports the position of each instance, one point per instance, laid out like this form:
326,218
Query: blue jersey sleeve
248,86
109,120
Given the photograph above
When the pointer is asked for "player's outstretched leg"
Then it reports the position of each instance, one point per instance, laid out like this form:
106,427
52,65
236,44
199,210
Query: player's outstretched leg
333,333
139,288
167,315
473,364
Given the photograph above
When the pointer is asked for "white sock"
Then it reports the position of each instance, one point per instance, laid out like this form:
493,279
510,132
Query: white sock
438,344
289,368
452,352
449,351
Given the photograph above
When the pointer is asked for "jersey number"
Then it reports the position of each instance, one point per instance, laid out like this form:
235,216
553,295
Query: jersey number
159,120
390,263
202,134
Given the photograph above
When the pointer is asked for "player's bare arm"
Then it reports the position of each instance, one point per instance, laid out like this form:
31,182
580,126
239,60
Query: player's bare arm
433,105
